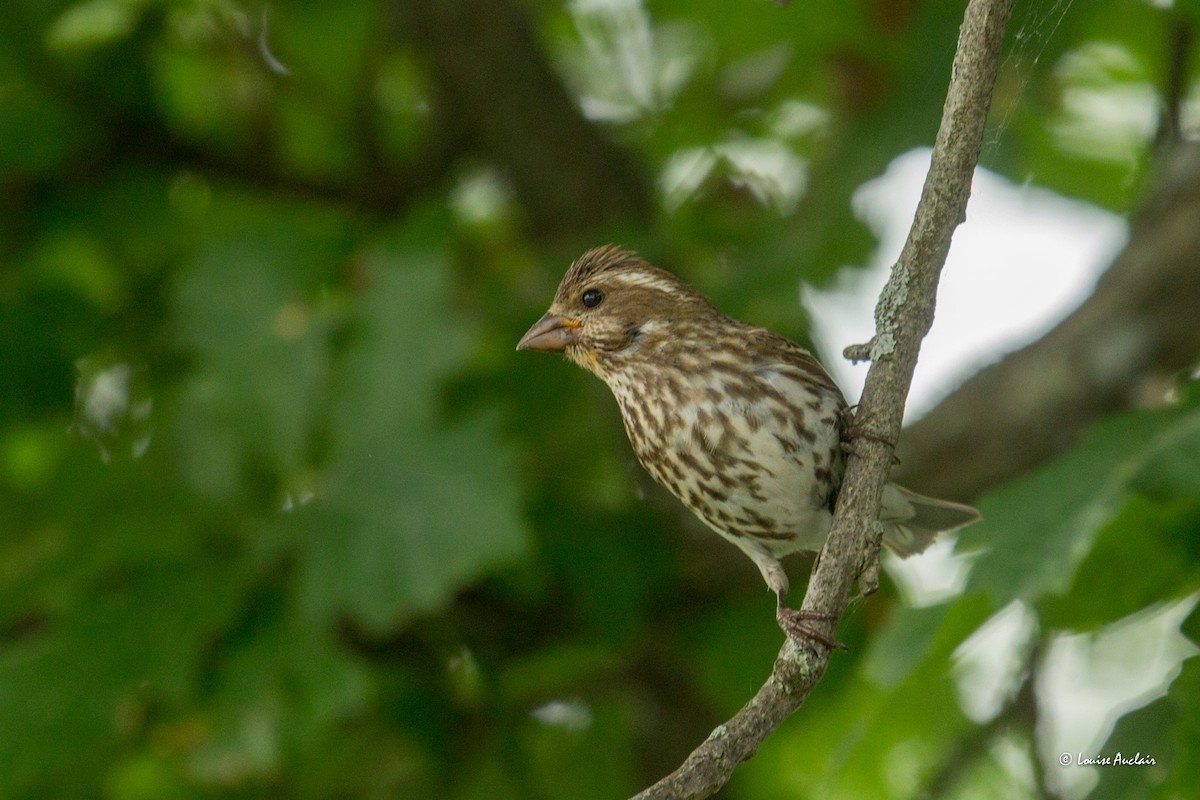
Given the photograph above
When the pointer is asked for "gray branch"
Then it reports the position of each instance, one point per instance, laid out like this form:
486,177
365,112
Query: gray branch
903,317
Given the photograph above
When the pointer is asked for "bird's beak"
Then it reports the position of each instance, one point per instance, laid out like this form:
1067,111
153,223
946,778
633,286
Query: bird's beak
550,334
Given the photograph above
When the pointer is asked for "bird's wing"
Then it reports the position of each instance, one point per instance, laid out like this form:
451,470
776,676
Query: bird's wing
775,352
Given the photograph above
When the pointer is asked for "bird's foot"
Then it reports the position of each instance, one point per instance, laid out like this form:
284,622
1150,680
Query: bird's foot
793,622
851,432
850,437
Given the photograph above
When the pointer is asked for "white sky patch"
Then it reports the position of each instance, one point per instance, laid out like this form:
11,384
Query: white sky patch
934,576
988,666
1024,259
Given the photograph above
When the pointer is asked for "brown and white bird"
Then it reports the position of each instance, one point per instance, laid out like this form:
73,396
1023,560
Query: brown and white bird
741,424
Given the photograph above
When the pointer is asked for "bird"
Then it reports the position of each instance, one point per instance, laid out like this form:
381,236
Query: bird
745,427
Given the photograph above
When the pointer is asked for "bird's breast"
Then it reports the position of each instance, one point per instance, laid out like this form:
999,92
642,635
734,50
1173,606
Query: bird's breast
746,457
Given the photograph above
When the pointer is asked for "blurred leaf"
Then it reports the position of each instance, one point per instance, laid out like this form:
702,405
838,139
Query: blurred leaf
28,455
93,23
910,635
78,263
39,133
1159,538
1037,530
207,99
281,685
412,508
66,690
246,311
587,758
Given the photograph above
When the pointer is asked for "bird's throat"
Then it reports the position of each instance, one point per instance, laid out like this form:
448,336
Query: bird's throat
586,358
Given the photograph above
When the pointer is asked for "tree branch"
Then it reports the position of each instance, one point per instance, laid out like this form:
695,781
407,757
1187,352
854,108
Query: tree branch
502,99
1175,81
903,316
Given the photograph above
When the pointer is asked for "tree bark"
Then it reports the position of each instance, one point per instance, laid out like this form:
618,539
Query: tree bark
498,94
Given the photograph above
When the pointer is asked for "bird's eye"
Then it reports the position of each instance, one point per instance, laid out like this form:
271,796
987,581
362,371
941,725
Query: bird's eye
591,298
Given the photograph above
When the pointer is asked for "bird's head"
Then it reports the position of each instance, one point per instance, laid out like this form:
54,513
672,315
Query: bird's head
612,306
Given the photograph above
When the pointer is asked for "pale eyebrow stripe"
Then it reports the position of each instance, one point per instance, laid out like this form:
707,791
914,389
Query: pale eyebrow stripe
647,279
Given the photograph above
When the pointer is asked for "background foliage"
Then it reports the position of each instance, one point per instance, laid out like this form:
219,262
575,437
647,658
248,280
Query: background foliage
282,514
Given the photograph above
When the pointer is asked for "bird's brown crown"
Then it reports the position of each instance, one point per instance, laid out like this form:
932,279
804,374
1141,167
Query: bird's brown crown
618,304
613,268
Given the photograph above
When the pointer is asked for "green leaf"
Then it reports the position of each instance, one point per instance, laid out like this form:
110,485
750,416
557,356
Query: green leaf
246,313
909,637
281,685
66,689
412,507
1038,530
873,740
1159,538
93,23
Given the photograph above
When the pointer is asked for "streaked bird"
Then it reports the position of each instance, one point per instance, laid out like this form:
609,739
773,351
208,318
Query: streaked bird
742,425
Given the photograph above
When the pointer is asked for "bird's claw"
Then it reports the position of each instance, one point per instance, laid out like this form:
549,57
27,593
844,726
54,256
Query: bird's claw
850,435
851,432
792,621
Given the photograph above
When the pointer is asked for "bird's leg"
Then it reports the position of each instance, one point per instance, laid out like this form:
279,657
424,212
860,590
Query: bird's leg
792,621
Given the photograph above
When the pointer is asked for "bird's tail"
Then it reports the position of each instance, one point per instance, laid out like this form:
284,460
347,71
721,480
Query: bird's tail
912,521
